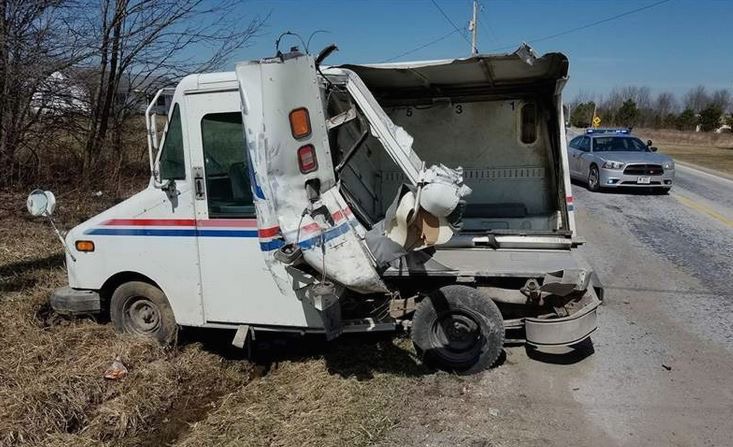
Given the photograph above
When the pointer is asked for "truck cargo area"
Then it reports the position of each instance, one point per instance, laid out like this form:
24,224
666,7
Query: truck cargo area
494,116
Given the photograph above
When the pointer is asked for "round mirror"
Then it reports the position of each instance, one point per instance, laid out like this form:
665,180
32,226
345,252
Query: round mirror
41,203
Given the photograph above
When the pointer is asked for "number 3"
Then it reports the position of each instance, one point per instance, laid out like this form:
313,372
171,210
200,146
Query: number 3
459,109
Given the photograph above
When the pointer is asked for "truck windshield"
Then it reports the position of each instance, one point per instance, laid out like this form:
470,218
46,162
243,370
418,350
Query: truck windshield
618,144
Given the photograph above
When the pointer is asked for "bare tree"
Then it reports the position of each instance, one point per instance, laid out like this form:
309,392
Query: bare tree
722,99
37,38
665,107
696,99
665,103
141,44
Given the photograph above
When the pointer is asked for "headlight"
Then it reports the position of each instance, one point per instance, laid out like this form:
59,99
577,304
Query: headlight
613,165
669,165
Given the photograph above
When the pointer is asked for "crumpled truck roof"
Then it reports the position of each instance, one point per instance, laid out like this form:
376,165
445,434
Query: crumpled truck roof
455,76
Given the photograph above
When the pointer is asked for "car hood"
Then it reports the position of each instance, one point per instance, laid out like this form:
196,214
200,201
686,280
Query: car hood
634,157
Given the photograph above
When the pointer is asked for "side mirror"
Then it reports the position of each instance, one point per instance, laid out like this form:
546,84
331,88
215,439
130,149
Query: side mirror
649,143
41,203
653,148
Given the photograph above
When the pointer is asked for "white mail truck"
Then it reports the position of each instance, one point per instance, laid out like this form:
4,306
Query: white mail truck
287,195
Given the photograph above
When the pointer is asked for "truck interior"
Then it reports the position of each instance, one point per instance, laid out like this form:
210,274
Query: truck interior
494,116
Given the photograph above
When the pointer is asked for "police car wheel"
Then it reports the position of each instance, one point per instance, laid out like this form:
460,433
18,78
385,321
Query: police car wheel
594,179
458,329
140,308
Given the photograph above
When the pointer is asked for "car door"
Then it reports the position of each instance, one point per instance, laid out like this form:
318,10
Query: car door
236,285
574,152
583,160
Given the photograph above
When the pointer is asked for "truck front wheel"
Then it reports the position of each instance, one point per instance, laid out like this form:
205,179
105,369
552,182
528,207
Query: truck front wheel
140,308
458,329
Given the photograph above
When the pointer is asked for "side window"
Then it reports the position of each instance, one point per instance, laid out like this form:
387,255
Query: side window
172,165
528,116
585,144
228,188
574,143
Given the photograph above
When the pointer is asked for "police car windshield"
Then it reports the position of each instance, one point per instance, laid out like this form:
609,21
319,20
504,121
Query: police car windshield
618,144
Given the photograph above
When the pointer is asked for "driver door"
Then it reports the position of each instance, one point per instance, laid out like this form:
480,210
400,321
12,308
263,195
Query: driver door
582,161
574,153
234,278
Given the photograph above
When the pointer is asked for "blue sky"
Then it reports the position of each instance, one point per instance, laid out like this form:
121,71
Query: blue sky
670,47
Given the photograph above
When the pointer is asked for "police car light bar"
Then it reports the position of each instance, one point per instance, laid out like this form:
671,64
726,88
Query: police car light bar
621,130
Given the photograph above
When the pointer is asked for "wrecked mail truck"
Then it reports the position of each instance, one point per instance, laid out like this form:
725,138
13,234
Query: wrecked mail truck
288,195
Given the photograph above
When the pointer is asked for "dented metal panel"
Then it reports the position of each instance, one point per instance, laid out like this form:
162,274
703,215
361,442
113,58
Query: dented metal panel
321,225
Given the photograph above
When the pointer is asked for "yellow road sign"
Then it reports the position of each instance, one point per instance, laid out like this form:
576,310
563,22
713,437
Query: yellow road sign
596,121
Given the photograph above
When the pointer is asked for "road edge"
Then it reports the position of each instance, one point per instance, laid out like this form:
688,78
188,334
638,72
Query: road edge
705,170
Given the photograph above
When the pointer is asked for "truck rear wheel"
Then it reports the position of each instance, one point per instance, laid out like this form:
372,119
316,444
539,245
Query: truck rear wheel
140,308
458,329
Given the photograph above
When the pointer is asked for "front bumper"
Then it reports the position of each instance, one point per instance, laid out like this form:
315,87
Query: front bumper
615,178
68,301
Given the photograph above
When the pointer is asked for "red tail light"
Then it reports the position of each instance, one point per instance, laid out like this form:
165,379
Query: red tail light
307,161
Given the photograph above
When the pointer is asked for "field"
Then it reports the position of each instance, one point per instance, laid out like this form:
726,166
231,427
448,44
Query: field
301,392
713,151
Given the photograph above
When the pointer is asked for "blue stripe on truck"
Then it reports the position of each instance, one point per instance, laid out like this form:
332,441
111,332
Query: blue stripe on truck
274,244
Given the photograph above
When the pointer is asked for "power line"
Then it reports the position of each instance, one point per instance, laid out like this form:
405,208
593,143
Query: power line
579,28
486,24
443,37
539,39
451,22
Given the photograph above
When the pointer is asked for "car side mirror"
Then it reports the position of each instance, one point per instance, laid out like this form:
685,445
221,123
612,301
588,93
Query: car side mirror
649,143
653,148
41,203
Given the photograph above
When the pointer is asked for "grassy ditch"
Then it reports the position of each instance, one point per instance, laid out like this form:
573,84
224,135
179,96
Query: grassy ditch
52,390
709,150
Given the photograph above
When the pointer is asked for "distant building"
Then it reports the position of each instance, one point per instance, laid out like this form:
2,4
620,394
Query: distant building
60,94
71,91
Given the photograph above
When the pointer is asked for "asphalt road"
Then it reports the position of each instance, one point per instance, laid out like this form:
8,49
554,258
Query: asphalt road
661,372
660,368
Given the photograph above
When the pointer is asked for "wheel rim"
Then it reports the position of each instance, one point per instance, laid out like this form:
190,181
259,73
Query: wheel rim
141,316
458,334
593,178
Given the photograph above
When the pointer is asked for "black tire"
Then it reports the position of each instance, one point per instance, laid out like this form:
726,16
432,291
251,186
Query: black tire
662,191
140,308
458,329
594,179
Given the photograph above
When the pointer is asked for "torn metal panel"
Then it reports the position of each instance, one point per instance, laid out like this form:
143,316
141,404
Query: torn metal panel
396,141
318,219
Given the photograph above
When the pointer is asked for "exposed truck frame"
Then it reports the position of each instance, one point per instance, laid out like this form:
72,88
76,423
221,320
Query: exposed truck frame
275,197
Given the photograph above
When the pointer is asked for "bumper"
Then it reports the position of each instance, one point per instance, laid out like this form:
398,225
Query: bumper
615,178
68,301
565,331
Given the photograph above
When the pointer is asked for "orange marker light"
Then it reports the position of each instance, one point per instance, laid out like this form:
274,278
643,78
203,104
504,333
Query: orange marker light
84,246
300,123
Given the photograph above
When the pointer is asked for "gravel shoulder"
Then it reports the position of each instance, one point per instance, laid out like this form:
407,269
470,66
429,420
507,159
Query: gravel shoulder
659,373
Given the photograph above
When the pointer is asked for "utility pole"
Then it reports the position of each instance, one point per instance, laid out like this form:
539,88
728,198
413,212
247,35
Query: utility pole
473,27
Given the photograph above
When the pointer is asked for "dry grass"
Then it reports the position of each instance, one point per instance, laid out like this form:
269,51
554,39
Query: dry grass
713,151
52,391
314,402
